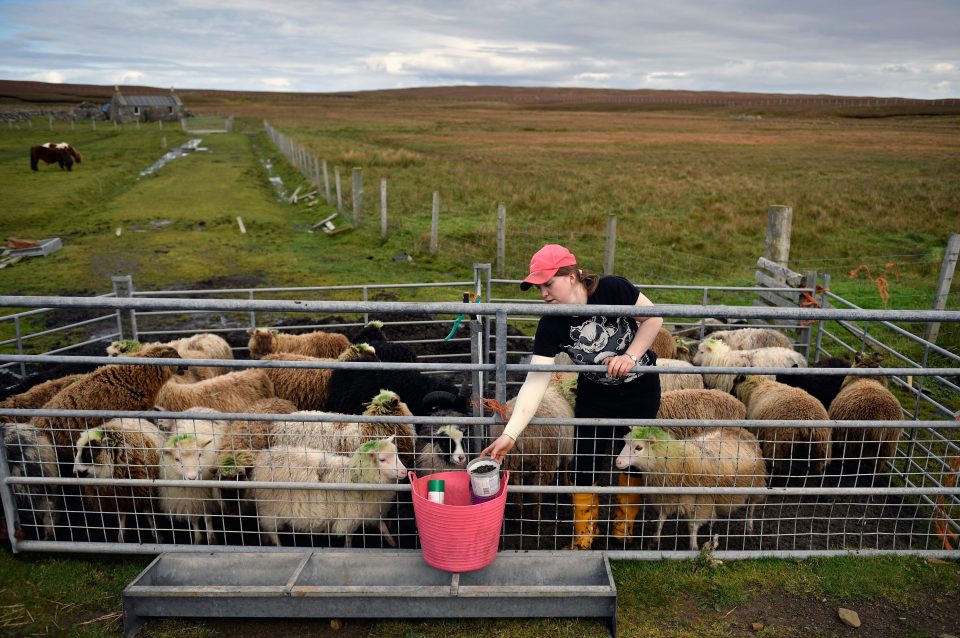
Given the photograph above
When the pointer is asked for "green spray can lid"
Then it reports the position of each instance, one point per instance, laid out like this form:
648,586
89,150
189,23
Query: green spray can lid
435,485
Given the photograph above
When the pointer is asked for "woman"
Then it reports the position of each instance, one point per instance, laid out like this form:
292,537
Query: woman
620,343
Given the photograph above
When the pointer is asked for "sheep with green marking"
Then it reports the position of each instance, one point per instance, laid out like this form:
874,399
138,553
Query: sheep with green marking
127,448
199,346
344,437
340,512
721,457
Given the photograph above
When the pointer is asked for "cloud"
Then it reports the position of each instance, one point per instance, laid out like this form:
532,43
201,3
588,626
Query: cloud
53,77
275,83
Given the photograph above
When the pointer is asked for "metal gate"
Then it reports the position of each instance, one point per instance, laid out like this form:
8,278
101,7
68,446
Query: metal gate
902,502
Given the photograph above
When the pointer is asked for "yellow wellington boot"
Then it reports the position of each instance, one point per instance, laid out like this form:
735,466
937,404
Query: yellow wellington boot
586,512
628,505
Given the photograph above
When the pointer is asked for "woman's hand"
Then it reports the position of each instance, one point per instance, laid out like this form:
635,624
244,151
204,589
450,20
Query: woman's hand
620,366
498,449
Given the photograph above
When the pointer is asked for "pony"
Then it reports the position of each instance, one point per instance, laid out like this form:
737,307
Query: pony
61,153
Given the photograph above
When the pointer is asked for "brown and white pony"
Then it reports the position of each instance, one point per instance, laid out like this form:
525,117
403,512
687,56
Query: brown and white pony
52,152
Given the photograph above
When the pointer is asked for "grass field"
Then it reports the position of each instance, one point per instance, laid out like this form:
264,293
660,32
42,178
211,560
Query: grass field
690,189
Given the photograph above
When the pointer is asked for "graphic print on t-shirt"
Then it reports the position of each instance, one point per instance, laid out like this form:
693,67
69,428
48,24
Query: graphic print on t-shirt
596,340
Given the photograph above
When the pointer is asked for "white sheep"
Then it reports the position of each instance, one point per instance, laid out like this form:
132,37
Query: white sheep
752,338
344,437
191,454
339,512
669,382
200,346
127,448
715,353
722,457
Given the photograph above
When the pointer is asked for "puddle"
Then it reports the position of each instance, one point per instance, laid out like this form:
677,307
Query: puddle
181,151
278,186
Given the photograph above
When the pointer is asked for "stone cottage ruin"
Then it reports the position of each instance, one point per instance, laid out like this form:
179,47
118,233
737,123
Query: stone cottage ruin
145,108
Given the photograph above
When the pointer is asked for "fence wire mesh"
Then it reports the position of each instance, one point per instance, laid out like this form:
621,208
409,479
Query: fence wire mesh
84,475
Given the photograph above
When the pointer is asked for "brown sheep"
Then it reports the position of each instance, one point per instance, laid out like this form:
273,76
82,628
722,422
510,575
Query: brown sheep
708,405
111,387
306,388
767,400
326,345
664,345
231,392
542,451
38,396
866,399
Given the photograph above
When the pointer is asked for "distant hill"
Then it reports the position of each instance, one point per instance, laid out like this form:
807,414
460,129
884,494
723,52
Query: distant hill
15,93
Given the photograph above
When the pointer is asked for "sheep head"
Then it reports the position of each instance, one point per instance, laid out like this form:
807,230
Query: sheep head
377,457
640,444
123,347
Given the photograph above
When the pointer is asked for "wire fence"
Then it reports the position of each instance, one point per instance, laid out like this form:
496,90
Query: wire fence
128,457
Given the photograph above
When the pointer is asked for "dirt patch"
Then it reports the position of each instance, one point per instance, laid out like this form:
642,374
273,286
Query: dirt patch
927,614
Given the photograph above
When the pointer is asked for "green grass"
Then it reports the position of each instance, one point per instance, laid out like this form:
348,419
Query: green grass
81,596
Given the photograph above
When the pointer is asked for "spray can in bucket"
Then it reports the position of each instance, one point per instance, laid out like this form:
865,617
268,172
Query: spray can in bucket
484,474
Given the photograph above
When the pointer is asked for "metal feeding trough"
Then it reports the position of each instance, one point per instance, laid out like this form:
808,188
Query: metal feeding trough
365,584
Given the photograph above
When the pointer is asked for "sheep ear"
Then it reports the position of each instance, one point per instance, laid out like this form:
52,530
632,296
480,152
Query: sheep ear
392,439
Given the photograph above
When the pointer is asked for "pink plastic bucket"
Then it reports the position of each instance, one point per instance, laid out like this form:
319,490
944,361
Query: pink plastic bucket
456,536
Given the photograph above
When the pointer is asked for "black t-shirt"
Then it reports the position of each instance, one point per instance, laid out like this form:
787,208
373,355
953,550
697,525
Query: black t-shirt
594,339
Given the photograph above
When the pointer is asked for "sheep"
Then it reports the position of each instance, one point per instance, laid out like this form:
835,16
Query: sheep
722,457
542,450
670,382
715,353
39,395
200,346
440,448
767,400
664,345
345,437
308,388
120,449
339,512
231,392
328,345
825,388
350,389
190,457
867,399
753,338
372,335
29,453
110,387
707,405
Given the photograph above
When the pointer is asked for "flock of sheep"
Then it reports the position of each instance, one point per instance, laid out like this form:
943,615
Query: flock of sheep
242,457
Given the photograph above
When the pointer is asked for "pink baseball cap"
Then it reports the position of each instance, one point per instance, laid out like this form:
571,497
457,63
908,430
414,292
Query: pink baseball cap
545,263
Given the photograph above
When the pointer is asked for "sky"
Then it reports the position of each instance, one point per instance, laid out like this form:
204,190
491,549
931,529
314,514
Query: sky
903,48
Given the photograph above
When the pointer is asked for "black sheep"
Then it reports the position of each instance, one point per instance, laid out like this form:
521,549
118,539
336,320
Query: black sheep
351,389
825,388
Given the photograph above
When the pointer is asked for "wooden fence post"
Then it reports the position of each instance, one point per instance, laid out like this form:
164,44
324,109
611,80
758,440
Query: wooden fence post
326,184
777,246
93,121
501,240
947,268
434,222
357,198
610,251
336,179
383,208
50,121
